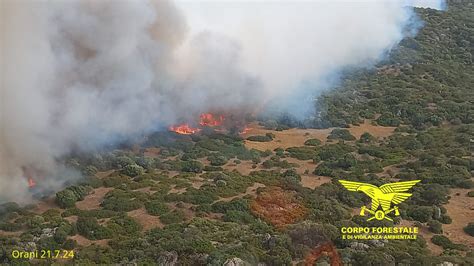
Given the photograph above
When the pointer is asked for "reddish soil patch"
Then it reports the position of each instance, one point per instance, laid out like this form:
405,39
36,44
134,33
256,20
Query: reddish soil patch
461,210
93,200
277,206
82,241
328,250
146,220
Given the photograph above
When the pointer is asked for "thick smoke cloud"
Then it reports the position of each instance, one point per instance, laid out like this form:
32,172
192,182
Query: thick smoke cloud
79,74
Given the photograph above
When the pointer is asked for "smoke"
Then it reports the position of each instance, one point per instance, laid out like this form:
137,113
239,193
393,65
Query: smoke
79,74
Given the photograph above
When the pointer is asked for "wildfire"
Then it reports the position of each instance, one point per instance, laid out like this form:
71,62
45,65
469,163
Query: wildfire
184,129
31,182
208,119
245,130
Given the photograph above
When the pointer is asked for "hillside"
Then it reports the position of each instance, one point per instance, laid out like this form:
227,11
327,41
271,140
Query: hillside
270,195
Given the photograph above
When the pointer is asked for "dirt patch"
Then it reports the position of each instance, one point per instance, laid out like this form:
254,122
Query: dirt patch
283,139
252,190
71,219
45,205
313,181
279,207
146,220
10,234
461,210
376,131
146,190
151,152
104,174
427,235
93,200
175,190
82,241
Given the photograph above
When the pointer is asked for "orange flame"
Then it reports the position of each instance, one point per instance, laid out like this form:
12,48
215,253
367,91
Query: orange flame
245,130
184,129
208,119
31,182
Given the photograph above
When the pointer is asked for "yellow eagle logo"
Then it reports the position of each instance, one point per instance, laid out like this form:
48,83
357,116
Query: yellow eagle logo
382,196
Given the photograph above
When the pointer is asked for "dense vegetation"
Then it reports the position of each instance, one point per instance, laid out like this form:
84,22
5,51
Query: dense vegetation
207,213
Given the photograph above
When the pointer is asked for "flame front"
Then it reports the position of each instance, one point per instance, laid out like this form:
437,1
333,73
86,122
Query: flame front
31,182
184,129
208,119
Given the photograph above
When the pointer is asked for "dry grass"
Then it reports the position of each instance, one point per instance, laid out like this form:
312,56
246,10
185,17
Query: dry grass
296,137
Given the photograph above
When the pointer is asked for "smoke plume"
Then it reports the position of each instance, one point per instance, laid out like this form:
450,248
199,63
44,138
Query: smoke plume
80,74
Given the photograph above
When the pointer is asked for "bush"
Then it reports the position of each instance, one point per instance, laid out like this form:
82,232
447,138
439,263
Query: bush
133,170
388,120
343,134
469,229
192,166
91,229
312,142
217,160
420,213
435,227
302,153
175,216
156,208
366,138
470,193
124,226
444,242
260,138
68,197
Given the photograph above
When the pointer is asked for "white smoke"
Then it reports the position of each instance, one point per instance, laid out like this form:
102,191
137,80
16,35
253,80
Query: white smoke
79,74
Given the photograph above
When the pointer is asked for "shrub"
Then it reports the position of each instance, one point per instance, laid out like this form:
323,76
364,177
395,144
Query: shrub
133,170
343,134
192,166
91,229
366,138
156,207
470,193
302,153
435,227
175,216
388,120
260,138
217,160
420,213
444,242
68,197
469,229
312,142
124,226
